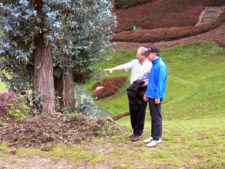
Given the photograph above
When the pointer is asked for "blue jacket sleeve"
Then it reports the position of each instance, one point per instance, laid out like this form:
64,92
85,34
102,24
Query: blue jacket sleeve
161,84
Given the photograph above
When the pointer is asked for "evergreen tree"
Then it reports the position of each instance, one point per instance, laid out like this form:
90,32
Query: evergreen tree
42,36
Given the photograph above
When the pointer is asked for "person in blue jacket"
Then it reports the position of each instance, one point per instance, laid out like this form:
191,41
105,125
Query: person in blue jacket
155,94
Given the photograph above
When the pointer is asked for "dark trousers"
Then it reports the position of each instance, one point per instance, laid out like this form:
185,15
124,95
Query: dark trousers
156,118
137,117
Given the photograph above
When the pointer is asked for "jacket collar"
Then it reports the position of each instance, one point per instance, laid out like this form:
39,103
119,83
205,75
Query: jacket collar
156,60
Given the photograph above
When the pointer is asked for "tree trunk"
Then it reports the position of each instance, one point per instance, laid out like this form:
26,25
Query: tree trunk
43,82
65,90
114,4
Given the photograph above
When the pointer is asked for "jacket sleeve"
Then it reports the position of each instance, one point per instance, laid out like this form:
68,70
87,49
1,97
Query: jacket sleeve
160,85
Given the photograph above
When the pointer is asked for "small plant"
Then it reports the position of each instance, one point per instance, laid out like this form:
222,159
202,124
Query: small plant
13,106
107,127
85,104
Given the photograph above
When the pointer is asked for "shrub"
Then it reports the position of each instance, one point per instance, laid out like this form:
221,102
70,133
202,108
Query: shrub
109,86
13,106
85,104
107,127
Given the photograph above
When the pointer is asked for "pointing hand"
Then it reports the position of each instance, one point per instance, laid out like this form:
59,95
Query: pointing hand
109,70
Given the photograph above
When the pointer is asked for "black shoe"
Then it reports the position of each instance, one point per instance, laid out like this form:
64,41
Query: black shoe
135,138
132,135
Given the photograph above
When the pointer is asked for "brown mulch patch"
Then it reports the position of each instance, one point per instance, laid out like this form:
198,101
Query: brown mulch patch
216,35
160,14
160,34
120,116
221,43
57,129
213,2
166,34
109,86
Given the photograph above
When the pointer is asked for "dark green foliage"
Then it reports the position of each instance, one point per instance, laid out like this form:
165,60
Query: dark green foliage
77,31
130,3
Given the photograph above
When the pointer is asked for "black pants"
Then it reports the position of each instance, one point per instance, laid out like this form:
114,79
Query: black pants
137,117
156,118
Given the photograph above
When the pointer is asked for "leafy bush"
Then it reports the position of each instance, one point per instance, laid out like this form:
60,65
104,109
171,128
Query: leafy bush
85,104
13,106
107,127
127,4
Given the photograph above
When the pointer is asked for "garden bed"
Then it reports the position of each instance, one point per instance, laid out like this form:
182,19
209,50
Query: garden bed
166,34
159,14
108,87
35,132
160,34
213,2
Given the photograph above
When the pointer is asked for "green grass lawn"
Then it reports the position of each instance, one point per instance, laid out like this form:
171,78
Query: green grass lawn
193,117
195,82
195,143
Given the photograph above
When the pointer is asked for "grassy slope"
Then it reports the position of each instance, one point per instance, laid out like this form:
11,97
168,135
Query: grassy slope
195,83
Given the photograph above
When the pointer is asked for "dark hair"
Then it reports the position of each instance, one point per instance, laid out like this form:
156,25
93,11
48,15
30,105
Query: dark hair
154,49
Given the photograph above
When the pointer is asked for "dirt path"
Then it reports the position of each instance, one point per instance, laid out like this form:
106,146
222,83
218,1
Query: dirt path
217,35
14,162
36,162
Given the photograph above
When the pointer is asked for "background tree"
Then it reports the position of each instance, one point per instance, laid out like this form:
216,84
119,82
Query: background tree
45,35
90,38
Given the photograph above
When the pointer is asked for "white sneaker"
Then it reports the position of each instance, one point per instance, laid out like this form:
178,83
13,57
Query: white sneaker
148,140
153,143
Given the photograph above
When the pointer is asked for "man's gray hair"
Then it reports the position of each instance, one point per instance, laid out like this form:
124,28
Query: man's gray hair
143,51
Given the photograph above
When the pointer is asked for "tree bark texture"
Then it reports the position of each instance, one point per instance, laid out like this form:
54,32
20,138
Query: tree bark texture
65,90
114,4
43,82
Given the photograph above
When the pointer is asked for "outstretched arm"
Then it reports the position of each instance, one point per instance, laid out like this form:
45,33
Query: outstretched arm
125,66
110,70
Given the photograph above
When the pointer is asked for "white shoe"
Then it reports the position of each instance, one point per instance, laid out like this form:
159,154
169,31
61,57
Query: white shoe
153,143
148,140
